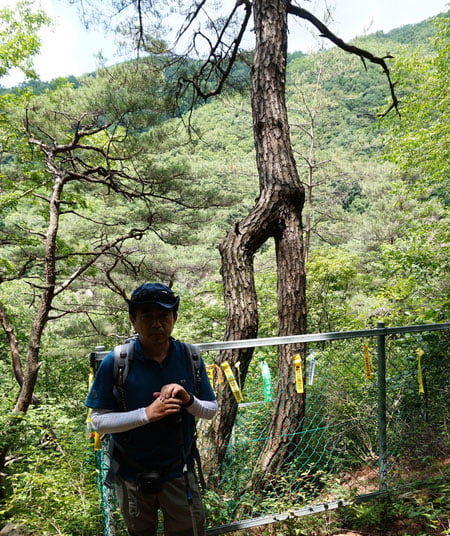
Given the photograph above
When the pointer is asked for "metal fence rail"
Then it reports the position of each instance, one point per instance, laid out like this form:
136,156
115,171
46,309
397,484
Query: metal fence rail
377,411
380,330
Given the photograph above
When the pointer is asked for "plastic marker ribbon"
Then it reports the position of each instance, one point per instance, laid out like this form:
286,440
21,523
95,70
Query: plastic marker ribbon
90,382
97,441
312,366
91,377
89,416
298,374
367,362
232,381
210,372
93,435
267,381
238,369
89,433
419,353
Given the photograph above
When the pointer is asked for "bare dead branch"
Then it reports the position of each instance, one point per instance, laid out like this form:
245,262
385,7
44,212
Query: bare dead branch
113,284
217,62
133,233
352,49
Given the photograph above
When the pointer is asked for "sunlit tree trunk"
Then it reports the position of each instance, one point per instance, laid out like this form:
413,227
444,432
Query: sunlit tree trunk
32,364
276,214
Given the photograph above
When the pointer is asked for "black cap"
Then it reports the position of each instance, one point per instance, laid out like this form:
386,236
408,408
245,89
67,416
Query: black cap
154,293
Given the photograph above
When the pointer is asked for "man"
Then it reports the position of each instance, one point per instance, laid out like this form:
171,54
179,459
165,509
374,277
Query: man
153,438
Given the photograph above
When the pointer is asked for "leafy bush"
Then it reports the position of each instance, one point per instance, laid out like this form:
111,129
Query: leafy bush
51,478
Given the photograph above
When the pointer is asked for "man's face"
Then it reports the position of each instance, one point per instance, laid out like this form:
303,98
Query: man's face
154,323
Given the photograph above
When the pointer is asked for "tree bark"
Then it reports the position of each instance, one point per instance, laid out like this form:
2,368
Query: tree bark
276,214
32,363
14,349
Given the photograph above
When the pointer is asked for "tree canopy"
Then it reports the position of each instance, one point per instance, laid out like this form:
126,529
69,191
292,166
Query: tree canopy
19,40
101,188
419,141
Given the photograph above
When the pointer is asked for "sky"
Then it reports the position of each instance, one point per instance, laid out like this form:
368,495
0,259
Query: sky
70,49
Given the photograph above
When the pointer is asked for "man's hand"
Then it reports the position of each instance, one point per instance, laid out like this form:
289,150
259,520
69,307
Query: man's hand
168,402
163,407
173,390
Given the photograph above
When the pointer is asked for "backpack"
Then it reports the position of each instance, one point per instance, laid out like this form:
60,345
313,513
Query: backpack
123,359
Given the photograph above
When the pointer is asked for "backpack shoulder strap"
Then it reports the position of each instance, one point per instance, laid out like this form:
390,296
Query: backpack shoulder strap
123,357
195,359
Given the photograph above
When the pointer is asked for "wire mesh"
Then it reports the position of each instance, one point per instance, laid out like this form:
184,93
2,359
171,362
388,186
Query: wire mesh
336,436
111,516
418,394
336,454
334,448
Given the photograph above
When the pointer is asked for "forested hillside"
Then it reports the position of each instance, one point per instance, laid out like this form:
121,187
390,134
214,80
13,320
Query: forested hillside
148,196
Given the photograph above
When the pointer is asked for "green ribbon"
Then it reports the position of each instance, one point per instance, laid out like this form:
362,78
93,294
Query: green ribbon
267,381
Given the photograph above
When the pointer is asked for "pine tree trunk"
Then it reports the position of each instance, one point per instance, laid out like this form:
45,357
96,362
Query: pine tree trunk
277,214
45,303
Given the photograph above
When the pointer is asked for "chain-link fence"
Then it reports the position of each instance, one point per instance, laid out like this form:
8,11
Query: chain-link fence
376,418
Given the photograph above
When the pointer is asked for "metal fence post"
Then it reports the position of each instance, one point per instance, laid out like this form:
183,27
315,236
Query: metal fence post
381,380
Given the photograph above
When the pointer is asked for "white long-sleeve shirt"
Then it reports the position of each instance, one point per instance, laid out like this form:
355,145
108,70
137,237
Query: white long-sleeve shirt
107,421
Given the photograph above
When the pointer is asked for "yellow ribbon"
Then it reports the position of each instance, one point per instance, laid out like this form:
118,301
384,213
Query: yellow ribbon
91,377
419,353
232,381
95,435
210,373
367,362
210,369
298,373
97,441
89,416
90,381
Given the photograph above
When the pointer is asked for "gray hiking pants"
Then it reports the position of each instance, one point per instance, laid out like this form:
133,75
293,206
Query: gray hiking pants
140,509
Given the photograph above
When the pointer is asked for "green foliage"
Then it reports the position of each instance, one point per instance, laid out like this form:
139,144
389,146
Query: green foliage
413,270
418,142
51,482
334,280
19,41
379,251
411,34
421,510
201,315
